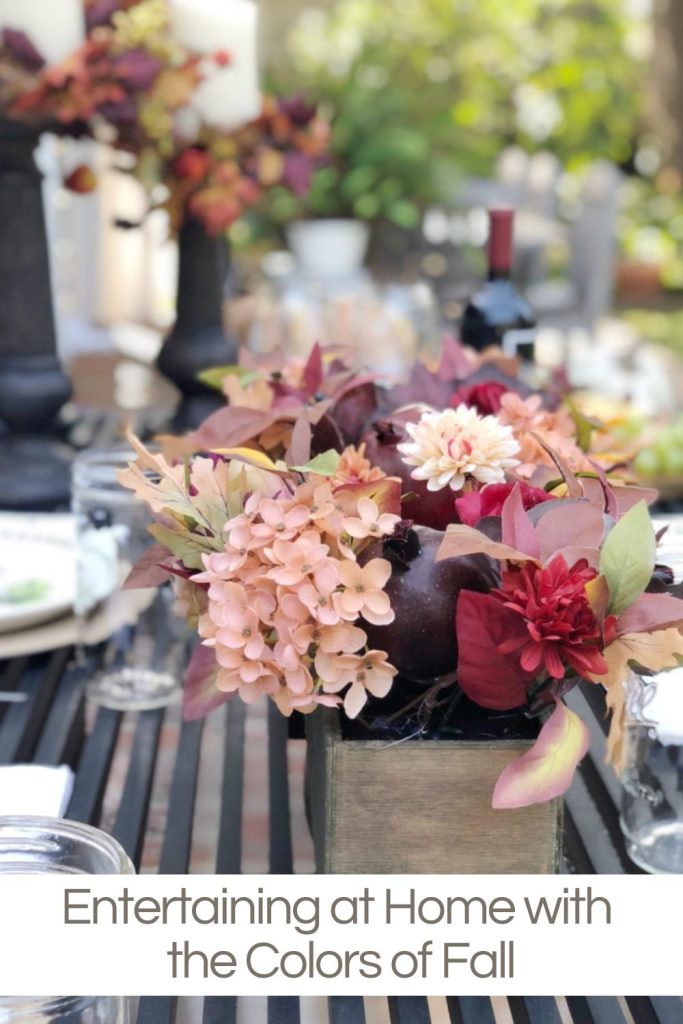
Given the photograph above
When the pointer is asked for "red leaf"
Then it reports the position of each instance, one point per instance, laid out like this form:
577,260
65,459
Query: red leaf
149,570
651,612
490,679
232,427
518,530
201,695
299,451
313,371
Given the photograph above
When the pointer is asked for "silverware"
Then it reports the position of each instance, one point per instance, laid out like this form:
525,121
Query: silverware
12,698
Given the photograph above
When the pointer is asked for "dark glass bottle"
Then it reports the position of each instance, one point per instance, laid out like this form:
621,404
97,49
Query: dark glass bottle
497,314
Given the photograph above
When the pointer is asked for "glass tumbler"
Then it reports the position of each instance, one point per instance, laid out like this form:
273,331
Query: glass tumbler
652,801
32,845
145,642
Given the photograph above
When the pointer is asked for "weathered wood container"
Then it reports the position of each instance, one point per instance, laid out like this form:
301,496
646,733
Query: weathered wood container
420,807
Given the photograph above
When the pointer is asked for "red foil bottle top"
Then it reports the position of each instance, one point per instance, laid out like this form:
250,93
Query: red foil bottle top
500,240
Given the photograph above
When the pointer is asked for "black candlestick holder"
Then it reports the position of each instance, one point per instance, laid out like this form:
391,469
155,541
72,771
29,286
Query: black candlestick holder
198,340
34,467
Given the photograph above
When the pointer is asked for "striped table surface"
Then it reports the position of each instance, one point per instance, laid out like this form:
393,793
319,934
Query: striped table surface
225,795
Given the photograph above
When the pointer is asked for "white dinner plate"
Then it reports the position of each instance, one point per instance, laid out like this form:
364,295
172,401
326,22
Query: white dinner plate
37,570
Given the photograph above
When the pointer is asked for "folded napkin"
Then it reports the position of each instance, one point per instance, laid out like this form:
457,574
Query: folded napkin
35,790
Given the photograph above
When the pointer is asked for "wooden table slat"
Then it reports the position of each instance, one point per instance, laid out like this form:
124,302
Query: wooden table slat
284,1010
229,853
642,1010
175,852
476,1010
595,835
129,827
65,725
157,1010
23,723
409,1010
281,856
539,1010
346,1010
93,768
580,1010
669,1009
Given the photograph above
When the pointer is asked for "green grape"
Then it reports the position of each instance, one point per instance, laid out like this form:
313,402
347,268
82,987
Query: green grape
673,464
648,463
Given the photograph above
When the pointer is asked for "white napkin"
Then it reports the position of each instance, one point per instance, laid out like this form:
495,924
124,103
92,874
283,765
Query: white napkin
35,789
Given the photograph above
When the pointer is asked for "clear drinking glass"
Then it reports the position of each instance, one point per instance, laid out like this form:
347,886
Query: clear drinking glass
30,846
146,642
652,802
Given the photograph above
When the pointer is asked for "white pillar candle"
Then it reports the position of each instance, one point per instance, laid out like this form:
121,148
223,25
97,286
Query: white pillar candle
230,96
55,27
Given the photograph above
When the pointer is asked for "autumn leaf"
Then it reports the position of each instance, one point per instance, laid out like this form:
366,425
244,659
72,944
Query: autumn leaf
652,611
154,481
627,559
325,464
656,651
200,693
465,540
148,571
517,529
490,679
547,770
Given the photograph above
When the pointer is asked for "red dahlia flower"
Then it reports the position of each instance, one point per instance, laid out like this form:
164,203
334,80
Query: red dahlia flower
561,628
484,396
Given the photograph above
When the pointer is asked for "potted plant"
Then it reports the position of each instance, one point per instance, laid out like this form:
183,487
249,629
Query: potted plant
425,595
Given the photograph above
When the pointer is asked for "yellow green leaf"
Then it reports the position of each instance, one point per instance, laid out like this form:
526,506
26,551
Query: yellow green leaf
627,559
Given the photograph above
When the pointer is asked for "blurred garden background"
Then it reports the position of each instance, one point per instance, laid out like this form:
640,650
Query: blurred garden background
568,110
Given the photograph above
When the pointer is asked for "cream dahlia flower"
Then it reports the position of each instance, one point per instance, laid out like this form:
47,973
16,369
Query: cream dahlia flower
452,446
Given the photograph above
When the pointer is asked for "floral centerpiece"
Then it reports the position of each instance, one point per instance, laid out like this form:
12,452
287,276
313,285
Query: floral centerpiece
131,83
469,553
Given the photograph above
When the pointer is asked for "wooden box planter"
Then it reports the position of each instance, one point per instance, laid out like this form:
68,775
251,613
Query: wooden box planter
420,807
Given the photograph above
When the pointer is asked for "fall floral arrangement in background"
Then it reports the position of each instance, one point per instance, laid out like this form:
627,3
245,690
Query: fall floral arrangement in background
409,556
131,84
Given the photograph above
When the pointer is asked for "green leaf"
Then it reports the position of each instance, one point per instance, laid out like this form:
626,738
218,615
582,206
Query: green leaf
584,427
627,559
214,377
324,465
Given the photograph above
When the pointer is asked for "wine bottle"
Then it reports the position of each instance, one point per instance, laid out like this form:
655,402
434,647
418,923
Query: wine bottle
497,314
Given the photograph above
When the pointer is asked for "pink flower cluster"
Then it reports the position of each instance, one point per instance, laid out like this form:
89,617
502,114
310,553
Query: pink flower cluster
285,595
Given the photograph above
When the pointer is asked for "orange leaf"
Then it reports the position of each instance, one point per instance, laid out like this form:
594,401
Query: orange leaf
655,651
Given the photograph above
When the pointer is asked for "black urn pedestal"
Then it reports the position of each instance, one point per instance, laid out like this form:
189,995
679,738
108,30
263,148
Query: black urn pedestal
198,340
34,466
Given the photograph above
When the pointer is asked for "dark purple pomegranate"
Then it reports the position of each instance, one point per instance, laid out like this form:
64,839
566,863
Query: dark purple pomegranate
421,642
427,508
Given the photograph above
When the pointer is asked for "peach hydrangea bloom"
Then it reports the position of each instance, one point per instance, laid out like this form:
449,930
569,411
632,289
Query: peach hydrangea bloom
367,673
369,522
285,596
363,592
529,421
354,468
